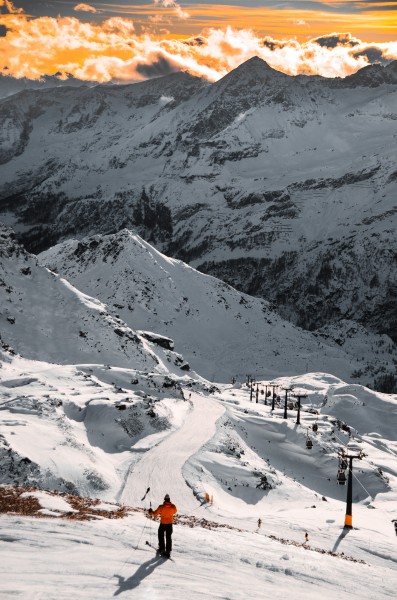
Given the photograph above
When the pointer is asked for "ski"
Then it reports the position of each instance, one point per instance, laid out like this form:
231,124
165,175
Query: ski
159,553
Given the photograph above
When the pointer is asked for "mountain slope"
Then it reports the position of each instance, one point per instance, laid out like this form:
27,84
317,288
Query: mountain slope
256,465
221,332
43,317
282,186
11,85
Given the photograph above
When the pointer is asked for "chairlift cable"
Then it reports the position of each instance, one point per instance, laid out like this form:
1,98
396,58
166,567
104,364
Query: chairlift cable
364,488
382,510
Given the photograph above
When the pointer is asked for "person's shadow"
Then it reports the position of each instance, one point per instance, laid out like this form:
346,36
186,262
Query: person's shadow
143,571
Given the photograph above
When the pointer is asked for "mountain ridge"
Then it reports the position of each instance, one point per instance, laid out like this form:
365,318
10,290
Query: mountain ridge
222,333
10,85
43,317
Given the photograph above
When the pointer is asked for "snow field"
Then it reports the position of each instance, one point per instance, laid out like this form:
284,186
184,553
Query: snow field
219,444
47,559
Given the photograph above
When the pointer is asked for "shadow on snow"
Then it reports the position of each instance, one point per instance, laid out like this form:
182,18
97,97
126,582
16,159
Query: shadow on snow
141,573
342,535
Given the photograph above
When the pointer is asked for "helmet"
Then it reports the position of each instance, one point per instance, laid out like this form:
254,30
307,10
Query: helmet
167,498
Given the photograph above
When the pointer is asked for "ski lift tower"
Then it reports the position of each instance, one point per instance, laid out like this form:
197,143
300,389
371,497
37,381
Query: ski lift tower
349,499
299,396
288,389
252,383
274,394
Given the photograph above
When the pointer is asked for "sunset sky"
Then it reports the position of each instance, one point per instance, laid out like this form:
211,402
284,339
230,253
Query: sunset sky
129,41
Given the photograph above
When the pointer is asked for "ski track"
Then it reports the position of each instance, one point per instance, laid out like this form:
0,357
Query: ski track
161,467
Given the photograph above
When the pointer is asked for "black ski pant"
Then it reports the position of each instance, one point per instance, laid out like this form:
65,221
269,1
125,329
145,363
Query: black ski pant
165,530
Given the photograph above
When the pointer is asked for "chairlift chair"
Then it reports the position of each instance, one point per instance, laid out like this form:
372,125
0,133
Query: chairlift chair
343,464
315,427
309,444
341,477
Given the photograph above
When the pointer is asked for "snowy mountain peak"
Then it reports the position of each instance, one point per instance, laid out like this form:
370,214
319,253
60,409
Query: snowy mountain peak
255,65
254,72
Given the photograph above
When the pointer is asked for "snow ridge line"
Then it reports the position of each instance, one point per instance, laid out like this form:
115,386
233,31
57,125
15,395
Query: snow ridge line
319,550
191,521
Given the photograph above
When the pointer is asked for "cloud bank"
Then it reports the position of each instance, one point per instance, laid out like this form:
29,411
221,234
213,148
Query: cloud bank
113,50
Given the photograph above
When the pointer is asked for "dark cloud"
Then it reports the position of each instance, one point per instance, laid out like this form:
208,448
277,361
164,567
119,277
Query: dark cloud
374,55
272,44
156,69
197,41
336,39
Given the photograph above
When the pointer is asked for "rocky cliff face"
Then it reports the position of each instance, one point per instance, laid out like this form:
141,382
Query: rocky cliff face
282,186
348,279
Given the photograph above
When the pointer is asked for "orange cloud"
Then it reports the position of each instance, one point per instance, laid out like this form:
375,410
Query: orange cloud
85,8
10,7
362,19
113,50
179,12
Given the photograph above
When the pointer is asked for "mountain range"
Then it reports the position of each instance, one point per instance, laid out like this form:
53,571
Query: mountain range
11,85
282,186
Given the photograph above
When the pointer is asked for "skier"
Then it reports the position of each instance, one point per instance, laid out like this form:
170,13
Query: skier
166,511
259,523
306,537
395,525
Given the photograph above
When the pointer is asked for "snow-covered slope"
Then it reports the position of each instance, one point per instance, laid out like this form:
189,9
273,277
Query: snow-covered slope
103,559
44,317
221,332
114,433
72,428
282,186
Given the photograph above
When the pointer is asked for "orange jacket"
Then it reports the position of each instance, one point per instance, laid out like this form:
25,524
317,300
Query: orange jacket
166,512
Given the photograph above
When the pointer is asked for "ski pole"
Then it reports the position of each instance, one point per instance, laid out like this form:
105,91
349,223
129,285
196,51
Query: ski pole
146,493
